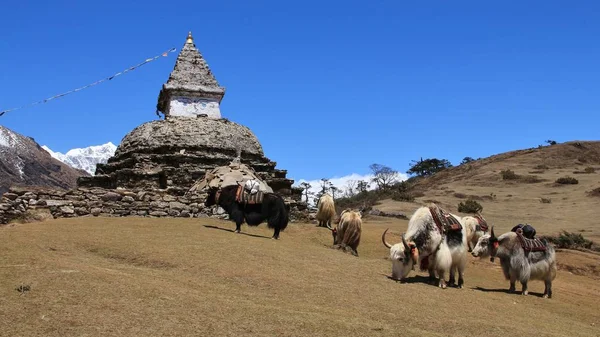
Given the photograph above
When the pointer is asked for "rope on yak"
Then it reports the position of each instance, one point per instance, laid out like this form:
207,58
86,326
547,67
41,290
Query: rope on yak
166,53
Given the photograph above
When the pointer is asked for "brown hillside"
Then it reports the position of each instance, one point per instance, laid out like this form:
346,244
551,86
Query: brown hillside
23,162
509,202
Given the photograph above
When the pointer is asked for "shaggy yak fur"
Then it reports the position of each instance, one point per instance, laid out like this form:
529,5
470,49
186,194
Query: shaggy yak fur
325,210
272,209
348,231
423,244
516,263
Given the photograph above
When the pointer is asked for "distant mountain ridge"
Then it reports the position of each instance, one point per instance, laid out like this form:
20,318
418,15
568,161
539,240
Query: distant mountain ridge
85,158
23,162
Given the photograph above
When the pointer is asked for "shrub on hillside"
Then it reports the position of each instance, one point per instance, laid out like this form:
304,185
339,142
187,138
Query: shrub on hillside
589,170
541,167
509,175
595,192
402,196
570,241
567,180
469,206
545,200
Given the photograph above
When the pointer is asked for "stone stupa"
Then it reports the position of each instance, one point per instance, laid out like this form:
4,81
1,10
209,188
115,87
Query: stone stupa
171,154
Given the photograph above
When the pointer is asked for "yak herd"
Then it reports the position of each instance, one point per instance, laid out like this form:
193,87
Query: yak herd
436,241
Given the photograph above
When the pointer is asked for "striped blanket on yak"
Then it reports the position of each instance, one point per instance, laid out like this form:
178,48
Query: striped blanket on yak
482,224
443,220
531,245
244,196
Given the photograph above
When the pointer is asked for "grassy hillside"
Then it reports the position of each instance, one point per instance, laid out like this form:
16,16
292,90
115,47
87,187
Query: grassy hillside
182,277
533,196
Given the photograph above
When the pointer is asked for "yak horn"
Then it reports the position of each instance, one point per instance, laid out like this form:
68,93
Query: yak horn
492,232
383,239
406,247
328,226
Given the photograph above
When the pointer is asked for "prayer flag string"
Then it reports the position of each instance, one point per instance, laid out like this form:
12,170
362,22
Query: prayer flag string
165,54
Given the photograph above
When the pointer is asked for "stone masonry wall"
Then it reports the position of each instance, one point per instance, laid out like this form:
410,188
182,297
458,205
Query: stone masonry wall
16,203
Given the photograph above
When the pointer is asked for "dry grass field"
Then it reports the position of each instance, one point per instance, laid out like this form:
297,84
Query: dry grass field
195,277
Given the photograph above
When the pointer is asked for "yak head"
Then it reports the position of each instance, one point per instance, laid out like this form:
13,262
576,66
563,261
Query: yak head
404,257
487,245
211,199
333,233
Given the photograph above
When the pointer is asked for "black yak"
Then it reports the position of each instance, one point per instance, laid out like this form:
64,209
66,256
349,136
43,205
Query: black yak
254,209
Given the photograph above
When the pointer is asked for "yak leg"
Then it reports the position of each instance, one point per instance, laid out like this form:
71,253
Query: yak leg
275,234
452,279
547,289
237,215
524,288
513,280
442,275
461,276
431,270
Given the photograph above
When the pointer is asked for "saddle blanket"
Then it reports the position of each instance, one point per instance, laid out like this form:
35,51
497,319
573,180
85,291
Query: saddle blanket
529,245
483,226
444,220
246,197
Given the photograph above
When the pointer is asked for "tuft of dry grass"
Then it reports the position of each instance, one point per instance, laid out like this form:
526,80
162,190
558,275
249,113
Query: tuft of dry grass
33,215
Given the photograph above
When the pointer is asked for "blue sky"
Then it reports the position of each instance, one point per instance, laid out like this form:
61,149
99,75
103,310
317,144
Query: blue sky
328,87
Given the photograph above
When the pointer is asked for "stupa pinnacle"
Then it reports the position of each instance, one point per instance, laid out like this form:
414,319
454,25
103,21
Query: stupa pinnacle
192,89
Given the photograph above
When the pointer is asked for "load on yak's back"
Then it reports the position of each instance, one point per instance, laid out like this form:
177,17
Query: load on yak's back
233,174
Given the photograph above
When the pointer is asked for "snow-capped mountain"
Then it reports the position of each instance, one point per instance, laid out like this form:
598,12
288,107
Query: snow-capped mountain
85,158
23,162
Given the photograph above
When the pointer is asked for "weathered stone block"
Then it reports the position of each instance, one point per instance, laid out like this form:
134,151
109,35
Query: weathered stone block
66,210
58,202
178,206
29,195
10,196
96,211
74,197
158,213
111,196
128,199
81,211
80,203
168,198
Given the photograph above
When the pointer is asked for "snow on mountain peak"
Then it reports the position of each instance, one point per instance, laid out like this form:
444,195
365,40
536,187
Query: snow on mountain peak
8,138
85,158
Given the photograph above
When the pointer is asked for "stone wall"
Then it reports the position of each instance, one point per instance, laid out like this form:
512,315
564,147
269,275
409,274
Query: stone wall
17,203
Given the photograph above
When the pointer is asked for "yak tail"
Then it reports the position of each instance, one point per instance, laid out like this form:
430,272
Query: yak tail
278,216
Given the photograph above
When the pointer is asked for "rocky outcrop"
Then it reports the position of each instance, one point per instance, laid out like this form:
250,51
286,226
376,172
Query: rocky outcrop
174,153
18,203
24,162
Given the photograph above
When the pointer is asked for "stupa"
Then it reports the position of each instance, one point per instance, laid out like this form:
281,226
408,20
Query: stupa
193,138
